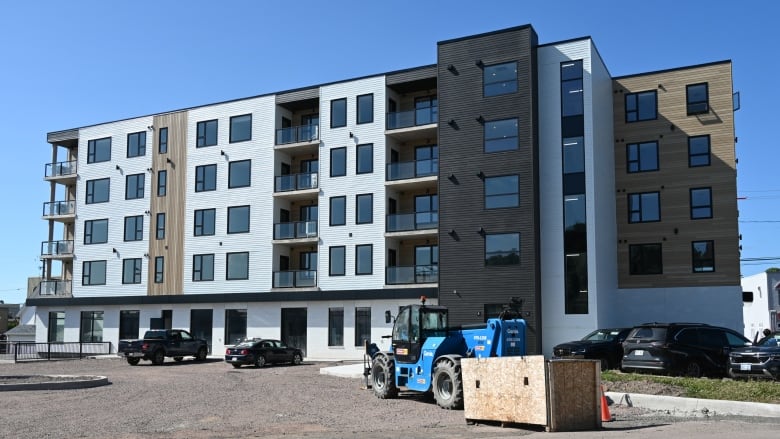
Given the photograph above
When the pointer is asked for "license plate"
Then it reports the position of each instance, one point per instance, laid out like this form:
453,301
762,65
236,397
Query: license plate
744,367
639,352
234,358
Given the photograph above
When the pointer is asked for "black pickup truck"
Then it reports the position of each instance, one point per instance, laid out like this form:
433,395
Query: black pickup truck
160,343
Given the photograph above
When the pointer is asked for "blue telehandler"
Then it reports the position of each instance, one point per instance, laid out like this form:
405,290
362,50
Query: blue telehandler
425,353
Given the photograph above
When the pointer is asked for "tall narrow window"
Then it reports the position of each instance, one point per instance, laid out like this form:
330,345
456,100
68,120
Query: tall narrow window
162,141
159,269
364,208
134,186
162,183
364,255
134,228
697,96
57,327
335,326
129,324
337,264
362,326
235,325
204,222
701,203
338,113
703,255
698,151
131,271
365,108
338,211
338,162
160,226
500,79
241,128
206,133
91,327
365,159
136,144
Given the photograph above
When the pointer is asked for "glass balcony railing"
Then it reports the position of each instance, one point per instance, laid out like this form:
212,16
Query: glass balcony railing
296,182
57,248
299,229
417,274
302,133
60,169
412,221
57,208
411,118
295,279
415,169
54,288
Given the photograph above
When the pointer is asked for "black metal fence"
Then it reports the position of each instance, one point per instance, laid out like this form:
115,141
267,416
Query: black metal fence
28,351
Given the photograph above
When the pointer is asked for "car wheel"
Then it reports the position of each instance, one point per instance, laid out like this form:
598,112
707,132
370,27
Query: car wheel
260,361
297,359
235,365
133,361
158,357
177,359
693,369
201,355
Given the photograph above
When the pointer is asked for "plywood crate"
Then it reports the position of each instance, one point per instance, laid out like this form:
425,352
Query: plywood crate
560,395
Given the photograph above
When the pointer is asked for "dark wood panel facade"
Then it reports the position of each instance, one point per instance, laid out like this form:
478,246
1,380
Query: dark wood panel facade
466,284
674,178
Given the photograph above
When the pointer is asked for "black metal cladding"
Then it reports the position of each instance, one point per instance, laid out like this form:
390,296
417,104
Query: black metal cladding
466,285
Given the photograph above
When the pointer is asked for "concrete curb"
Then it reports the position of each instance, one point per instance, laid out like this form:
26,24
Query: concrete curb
67,382
344,371
679,406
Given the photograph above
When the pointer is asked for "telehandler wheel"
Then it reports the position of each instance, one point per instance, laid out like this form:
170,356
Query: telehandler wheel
447,385
383,378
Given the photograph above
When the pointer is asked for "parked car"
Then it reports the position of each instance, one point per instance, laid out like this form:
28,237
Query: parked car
759,361
602,344
160,343
690,349
262,351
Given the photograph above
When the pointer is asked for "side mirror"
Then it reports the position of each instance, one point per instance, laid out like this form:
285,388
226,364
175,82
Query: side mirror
388,316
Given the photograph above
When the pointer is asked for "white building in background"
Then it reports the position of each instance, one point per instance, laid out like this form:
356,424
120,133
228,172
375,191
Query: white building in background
761,302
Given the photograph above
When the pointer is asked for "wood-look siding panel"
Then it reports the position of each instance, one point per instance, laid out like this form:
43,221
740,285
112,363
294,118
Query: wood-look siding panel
172,205
465,283
674,178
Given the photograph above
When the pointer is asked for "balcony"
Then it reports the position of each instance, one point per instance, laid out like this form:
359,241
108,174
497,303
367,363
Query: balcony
303,183
64,211
296,230
415,169
417,221
297,134
417,274
408,125
295,279
64,172
57,249
55,288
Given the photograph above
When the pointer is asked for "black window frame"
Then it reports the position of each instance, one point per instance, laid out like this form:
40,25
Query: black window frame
490,196
89,231
636,111
202,181
231,183
228,265
692,155
641,211
203,133
490,262
699,263
358,210
135,191
343,250
335,327
159,226
133,228
360,105
342,162
486,140
233,130
360,151
162,183
694,107
95,146
89,330
197,261
358,248
362,325
332,112
90,196
159,269
697,207
87,270
199,224
486,83
137,268
637,163
162,140
232,210
136,144
343,211
642,267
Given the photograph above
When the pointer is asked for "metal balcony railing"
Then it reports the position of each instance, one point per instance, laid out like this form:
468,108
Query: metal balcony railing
295,279
58,208
57,288
57,248
301,133
296,182
61,169
406,119
404,222
299,229
415,169
417,274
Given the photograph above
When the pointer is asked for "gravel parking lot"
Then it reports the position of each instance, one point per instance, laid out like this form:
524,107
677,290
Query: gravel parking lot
213,400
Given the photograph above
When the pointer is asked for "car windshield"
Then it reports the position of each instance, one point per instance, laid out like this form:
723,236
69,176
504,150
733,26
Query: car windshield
601,335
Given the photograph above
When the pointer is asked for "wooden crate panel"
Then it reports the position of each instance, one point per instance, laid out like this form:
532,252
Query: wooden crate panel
574,395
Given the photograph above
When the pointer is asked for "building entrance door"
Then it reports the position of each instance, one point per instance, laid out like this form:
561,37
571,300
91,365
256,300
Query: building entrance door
294,328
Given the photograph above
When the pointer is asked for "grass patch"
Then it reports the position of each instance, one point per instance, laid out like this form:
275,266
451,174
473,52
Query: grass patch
707,388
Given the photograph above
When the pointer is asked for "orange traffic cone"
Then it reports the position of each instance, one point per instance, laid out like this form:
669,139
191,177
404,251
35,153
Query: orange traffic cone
605,416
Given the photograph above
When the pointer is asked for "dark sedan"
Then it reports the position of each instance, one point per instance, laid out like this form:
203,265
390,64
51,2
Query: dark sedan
602,344
759,361
262,351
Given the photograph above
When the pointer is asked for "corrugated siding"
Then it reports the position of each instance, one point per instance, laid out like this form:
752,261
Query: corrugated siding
298,95
461,206
411,75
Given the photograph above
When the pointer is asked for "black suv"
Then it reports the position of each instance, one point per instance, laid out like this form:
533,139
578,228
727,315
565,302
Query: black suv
759,361
602,344
691,349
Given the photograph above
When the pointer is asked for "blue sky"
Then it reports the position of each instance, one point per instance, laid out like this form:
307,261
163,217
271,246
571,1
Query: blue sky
76,63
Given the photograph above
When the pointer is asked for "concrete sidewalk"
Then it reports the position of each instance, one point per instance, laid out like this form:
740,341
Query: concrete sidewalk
669,404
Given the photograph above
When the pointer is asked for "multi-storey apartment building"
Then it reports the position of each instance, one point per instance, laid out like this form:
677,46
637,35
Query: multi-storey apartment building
508,173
